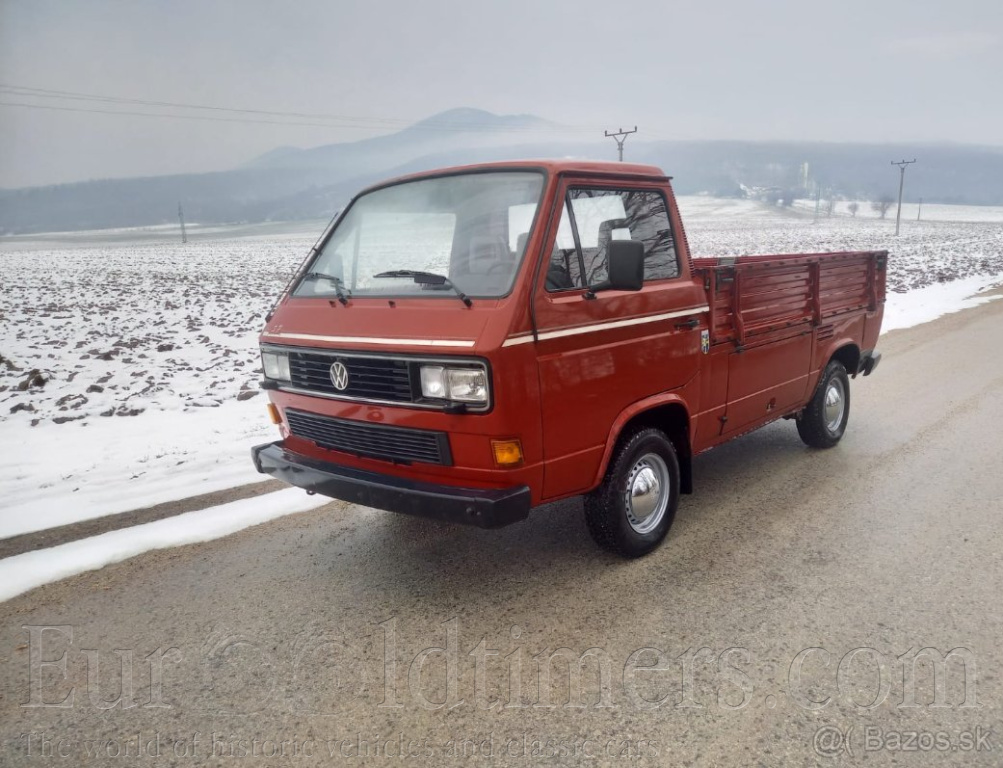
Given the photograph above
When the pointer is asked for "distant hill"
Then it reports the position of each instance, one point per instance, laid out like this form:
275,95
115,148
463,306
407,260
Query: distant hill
459,129
289,183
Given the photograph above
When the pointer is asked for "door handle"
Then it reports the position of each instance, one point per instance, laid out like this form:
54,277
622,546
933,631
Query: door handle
689,324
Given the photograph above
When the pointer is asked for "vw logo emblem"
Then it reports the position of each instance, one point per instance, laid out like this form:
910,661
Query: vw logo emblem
339,376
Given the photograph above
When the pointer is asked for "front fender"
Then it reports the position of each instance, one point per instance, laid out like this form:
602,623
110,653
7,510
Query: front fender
632,411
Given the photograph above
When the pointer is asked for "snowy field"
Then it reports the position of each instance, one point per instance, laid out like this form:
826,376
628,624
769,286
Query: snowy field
913,212
129,363
925,253
129,372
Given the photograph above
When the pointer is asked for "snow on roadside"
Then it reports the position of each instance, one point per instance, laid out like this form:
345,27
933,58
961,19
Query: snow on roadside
56,474
29,570
922,305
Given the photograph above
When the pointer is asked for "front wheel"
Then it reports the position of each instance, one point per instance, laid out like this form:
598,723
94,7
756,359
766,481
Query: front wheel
823,421
633,509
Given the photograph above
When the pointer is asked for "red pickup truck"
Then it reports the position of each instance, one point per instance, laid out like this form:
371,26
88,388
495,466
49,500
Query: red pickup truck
470,343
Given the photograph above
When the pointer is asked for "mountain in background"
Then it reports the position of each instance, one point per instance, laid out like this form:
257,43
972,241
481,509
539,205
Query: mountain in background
459,129
288,183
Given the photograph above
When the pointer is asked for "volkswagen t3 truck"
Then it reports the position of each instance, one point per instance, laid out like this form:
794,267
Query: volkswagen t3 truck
470,343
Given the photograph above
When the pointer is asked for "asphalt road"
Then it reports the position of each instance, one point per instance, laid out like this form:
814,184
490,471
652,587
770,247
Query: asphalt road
784,618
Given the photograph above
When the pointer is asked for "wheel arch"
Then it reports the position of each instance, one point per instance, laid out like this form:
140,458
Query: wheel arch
668,413
848,353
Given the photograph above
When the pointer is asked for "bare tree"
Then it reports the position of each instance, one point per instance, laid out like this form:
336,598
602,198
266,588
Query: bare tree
853,208
882,205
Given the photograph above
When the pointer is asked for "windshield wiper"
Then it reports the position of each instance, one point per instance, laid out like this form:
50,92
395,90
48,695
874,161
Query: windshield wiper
339,285
427,278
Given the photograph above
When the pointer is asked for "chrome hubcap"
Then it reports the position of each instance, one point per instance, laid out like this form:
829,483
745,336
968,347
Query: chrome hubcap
835,404
647,493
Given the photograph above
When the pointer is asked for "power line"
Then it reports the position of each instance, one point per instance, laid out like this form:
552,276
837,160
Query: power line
11,90
453,127
20,90
53,107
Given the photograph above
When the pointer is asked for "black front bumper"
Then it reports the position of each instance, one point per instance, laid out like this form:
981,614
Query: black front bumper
470,506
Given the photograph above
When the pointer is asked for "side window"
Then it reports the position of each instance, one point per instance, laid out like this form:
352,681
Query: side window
602,215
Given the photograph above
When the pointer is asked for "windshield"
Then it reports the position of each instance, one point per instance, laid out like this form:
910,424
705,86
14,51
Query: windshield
470,228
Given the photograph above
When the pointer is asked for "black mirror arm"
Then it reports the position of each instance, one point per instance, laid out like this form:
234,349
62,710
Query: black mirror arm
590,292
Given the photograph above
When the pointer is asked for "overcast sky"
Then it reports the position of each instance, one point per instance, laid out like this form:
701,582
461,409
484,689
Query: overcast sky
844,70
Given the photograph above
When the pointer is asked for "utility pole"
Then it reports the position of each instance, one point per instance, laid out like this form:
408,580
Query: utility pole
620,137
902,166
818,201
181,217
920,209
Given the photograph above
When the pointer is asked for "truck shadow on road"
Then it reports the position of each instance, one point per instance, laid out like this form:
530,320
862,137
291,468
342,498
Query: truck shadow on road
755,480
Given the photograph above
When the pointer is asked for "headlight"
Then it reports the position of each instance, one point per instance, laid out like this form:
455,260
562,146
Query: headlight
276,365
462,385
433,381
467,385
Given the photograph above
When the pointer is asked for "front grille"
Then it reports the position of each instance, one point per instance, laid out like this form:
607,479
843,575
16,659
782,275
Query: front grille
378,441
369,378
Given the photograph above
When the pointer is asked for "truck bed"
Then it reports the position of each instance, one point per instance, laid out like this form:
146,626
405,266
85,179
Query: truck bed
754,296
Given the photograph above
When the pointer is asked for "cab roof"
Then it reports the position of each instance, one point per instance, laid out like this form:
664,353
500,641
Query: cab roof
551,166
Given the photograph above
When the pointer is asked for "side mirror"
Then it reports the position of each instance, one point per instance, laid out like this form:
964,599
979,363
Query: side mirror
625,259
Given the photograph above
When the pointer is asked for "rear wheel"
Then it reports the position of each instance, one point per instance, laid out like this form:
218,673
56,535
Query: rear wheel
823,421
633,509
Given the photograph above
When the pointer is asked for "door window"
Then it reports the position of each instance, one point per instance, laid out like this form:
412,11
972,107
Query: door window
602,215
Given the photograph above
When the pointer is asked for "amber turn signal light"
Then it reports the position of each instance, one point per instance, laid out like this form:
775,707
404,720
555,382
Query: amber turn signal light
273,414
507,453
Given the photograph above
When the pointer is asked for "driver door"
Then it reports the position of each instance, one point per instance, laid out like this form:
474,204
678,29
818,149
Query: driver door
597,355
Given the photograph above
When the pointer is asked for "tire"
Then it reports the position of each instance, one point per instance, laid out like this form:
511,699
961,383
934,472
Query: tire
823,421
622,514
